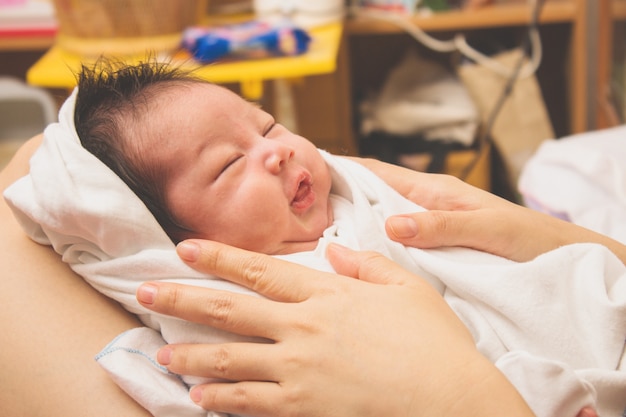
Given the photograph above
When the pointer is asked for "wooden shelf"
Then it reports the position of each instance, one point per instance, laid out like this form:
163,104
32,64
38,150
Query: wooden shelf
512,14
501,15
26,43
618,10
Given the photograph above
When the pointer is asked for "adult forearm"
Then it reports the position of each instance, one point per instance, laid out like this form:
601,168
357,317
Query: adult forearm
553,232
52,325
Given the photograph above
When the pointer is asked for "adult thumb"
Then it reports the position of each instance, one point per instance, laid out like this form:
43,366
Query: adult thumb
368,266
430,229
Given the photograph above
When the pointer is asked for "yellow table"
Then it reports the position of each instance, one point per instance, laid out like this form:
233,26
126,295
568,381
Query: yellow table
57,68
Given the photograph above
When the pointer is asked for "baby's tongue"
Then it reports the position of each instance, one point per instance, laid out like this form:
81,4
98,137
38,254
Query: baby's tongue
303,190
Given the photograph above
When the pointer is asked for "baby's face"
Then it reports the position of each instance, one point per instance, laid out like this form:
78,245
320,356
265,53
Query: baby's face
237,177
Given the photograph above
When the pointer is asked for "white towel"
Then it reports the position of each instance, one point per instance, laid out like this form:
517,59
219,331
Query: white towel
581,178
554,326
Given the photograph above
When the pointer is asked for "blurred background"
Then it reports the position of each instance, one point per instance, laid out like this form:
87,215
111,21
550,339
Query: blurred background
466,87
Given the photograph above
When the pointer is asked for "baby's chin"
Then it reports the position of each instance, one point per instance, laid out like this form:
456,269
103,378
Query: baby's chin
285,248
294,247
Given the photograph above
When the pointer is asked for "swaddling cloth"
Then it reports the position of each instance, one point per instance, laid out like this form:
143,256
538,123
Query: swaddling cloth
555,326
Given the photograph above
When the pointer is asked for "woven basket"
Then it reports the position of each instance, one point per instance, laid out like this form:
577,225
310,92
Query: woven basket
124,27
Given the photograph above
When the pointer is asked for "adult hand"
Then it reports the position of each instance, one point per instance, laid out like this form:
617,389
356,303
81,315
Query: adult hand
462,215
385,344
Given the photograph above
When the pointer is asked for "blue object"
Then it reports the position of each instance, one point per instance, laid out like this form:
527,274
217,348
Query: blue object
246,40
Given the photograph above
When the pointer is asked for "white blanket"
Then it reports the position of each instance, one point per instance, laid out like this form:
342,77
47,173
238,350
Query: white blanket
581,178
554,326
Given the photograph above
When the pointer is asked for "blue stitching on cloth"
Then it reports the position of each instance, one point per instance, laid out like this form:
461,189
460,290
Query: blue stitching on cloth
108,349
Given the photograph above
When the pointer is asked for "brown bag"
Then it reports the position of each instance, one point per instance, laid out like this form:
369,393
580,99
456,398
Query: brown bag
522,123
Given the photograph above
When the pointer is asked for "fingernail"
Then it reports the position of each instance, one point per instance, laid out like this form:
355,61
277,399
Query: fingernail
164,356
188,251
146,293
196,394
338,249
403,227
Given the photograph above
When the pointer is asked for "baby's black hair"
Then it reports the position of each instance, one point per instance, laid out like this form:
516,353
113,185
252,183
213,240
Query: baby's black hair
112,98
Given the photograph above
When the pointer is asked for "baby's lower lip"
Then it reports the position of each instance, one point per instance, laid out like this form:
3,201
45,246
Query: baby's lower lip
304,198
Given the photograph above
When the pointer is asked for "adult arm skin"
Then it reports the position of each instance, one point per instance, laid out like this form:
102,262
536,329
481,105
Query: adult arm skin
383,344
52,325
463,215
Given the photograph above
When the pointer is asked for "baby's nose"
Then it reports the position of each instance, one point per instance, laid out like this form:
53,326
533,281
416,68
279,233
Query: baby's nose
277,156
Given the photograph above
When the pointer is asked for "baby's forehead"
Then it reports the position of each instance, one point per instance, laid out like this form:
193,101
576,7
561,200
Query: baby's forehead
180,93
213,90
178,87
201,100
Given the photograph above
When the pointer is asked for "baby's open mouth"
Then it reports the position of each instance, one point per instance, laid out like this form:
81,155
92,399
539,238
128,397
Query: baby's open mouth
305,196
303,189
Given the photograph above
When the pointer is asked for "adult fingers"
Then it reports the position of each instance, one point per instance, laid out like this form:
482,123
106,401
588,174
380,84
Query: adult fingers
500,232
354,264
254,398
433,229
230,361
272,277
242,314
265,399
432,191
587,412
369,266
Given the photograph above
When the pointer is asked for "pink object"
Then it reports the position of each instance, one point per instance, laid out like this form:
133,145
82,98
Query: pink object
12,2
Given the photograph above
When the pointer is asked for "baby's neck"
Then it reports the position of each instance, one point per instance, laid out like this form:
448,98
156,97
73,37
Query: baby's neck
306,246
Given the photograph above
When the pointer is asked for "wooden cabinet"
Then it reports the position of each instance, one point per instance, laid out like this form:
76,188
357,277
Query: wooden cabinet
564,31
17,54
611,64
372,46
